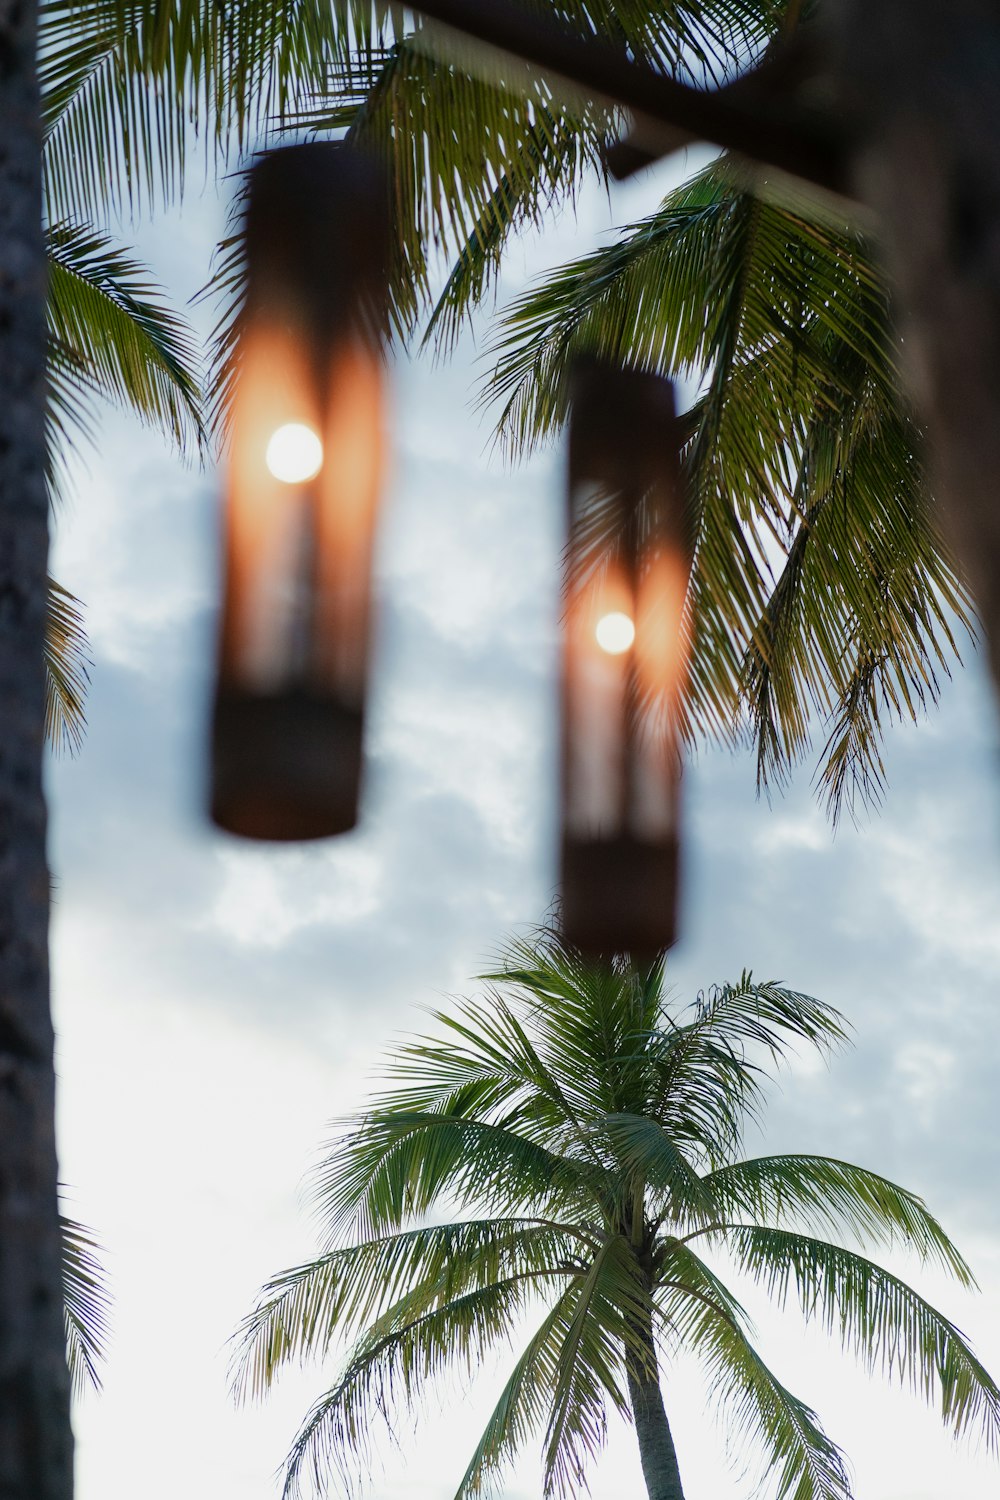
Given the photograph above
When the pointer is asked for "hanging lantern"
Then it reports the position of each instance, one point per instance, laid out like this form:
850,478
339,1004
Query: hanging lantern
624,664
305,469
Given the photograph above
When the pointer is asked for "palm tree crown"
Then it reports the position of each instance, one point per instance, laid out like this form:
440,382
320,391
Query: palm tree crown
587,1143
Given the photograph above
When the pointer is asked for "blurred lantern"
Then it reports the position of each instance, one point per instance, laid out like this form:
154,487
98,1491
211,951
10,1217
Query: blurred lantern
624,664
305,468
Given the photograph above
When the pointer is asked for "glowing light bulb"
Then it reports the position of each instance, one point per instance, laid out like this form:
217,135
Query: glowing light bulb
294,453
615,633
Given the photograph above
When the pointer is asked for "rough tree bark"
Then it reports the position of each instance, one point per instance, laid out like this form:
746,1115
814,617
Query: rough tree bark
35,1436
920,81
656,1444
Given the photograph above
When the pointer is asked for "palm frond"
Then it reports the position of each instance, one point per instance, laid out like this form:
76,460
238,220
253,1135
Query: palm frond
589,1366
517,147
69,415
757,1409
112,335
112,332
67,670
487,1066
819,1192
128,87
299,1310
821,591
681,1282
645,1153
521,1408
577,1012
389,1366
709,1072
567,1376
884,1322
400,1163
458,192
86,1306
552,158
884,634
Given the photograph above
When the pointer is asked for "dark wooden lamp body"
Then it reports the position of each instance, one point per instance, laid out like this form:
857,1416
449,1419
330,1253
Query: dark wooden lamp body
287,752
620,842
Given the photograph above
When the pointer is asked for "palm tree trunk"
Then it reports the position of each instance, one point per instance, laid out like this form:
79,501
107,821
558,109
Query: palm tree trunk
656,1444
36,1449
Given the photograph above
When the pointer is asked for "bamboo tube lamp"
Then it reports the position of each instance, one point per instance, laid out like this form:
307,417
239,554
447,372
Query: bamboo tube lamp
624,664
302,490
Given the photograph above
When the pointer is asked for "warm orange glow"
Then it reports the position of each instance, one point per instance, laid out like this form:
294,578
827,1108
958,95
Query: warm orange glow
596,688
265,515
661,642
295,525
348,491
626,657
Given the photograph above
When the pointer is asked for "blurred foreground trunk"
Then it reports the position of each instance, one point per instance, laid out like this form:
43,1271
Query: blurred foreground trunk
35,1438
922,79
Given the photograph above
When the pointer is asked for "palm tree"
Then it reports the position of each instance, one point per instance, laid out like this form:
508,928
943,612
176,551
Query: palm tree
36,1448
584,1143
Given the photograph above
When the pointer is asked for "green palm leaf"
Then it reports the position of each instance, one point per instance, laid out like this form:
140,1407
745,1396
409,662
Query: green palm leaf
111,331
834,1196
67,670
820,591
706,1082
110,334
562,1379
552,154
697,1312
825,605
589,1366
521,1408
401,1163
453,192
515,150
388,1367
644,1152
86,1305
298,1310
757,1407
462,193
490,1043
883,1321
128,87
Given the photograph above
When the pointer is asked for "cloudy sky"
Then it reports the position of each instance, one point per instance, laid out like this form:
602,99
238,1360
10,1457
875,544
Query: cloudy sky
217,1004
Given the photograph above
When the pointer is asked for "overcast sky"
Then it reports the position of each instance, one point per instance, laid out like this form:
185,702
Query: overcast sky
217,1003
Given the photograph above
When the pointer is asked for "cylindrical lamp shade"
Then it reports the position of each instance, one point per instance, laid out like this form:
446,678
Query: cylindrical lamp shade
305,469
624,663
